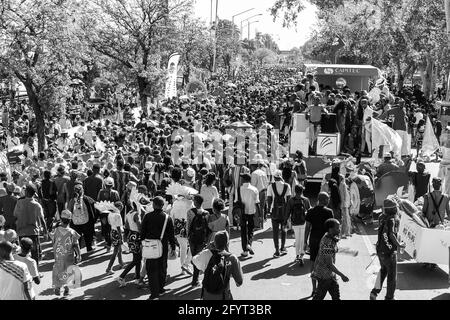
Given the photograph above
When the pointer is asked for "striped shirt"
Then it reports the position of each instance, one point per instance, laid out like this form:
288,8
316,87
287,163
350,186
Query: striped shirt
13,274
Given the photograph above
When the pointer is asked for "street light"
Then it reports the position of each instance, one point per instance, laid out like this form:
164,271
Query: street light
256,15
232,19
249,23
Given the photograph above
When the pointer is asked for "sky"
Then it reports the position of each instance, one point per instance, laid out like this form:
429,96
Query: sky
286,38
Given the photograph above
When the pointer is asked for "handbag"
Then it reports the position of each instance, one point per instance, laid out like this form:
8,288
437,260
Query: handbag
153,248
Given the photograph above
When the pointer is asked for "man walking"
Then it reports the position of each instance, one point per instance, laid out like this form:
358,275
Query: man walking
261,182
278,195
325,270
436,204
152,227
387,247
30,218
315,230
296,209
250,198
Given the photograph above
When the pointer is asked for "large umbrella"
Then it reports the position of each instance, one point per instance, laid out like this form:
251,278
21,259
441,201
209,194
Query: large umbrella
241,125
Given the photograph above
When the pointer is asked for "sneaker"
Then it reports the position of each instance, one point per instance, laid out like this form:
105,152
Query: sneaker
109,272
244,254
121,282
66,291
283,251
297,258
276,254
57,292
373,296
250,250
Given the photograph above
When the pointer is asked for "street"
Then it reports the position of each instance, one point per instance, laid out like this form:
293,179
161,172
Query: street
265,278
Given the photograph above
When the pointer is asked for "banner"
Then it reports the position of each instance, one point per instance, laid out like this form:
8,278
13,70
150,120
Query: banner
430,143
383,135
172,71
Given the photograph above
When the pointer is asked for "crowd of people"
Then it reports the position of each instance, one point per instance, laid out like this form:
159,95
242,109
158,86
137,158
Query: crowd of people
151,194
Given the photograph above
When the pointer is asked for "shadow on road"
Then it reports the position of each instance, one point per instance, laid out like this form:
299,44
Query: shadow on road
412,276
444,296
290,269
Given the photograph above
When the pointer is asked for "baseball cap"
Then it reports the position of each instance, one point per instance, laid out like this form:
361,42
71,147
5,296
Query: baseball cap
277,174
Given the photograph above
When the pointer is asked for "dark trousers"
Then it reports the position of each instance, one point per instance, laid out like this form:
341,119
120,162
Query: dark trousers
388,265
106,229
49,207
277,226
247,226
35,249
195,250
87,231
156,273
330,286
137,259
60,206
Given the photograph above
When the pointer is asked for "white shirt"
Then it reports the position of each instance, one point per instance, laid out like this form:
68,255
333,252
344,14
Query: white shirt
12,281
260,180
208,194
115,220
250,197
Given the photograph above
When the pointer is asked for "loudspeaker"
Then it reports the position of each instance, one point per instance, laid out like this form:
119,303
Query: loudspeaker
328,123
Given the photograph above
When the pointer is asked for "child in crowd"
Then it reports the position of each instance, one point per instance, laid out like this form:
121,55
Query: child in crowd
115,221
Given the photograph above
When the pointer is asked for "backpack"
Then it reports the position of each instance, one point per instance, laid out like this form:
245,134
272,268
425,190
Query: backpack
298,217
198,230
214,280
279,203
80,216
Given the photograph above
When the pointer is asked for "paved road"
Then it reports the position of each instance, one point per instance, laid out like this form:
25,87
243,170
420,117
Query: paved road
265,277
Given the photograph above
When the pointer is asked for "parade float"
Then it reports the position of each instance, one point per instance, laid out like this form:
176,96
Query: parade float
425,244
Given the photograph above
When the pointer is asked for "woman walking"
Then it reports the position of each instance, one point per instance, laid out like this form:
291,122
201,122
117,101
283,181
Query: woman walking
67,252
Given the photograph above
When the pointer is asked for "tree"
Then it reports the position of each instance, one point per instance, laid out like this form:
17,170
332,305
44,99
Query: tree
41,46
138,34
263,55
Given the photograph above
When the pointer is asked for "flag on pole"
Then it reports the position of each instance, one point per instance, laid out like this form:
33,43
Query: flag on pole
430,143
172,72
383,135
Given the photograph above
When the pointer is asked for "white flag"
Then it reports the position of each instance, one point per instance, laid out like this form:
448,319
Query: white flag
383,135
172,72
430,143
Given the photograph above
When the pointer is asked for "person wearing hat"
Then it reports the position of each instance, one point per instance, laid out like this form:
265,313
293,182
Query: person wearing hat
278,194
387,166
29,215
216,251
66,244
386,247
436,206
110,195
83,215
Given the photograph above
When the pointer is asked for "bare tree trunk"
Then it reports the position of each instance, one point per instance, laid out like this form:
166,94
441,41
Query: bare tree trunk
37,108
142,85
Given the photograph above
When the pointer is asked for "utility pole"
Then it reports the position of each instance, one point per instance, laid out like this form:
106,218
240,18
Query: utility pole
215,39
